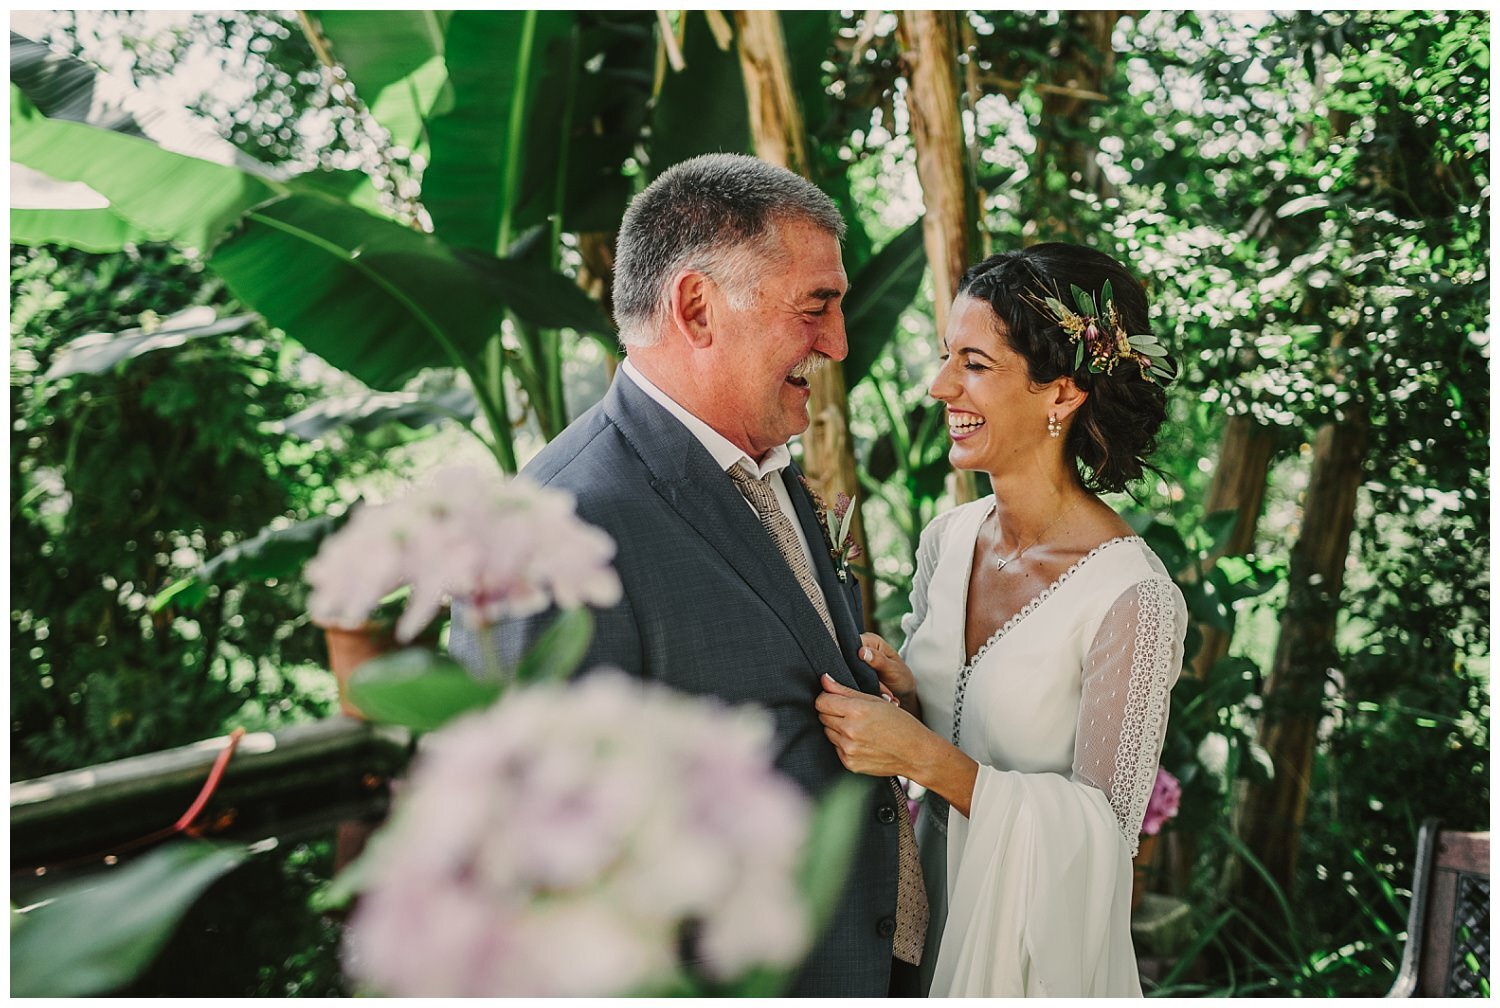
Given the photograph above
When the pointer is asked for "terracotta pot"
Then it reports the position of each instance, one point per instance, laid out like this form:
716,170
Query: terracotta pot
348,650
1145,870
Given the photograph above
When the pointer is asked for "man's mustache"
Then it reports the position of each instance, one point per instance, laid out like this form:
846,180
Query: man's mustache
809,366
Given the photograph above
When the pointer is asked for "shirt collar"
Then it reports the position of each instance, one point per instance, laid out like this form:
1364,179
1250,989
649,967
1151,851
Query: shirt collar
725,453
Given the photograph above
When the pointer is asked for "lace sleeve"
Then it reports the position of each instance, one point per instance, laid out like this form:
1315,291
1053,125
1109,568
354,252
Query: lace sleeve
928,548
1134,660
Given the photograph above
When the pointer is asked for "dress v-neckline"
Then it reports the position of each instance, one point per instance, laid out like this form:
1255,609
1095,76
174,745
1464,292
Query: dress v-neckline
1026,610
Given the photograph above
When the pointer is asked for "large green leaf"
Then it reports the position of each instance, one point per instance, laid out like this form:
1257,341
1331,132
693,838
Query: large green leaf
495,59
166,175
367,412
94,230
878,294
96,935
830,851
603,110
395,60
702,108
379,300
418,689
538,295
37,218
371,297
99,352
163,195
559,651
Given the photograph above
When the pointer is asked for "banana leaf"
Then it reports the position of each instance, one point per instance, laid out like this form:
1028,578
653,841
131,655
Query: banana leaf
395,60
495,59
160,194
95,353
369,296
878,294
95,935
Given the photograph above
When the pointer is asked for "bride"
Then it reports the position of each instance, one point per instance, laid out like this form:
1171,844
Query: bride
1044,636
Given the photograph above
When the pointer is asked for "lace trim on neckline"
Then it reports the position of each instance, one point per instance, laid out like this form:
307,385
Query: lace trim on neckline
1043,595
936,806
960,688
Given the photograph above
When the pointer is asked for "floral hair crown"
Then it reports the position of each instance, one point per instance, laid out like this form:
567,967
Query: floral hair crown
1101,336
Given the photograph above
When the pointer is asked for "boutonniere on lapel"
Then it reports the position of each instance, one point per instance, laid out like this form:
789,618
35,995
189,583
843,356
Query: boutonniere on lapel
835,522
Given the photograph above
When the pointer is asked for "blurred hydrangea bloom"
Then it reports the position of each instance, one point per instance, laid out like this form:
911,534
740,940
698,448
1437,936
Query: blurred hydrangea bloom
1166,797
563,841
506,547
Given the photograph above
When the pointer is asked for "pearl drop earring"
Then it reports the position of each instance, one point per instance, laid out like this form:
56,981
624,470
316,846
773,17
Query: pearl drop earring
1054,426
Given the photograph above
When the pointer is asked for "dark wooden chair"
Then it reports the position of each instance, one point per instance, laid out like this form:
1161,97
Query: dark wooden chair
1448,931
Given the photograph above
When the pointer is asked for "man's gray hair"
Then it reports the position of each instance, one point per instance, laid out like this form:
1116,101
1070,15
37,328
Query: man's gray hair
715,214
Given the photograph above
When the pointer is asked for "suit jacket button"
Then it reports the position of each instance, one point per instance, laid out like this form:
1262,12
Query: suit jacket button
886,927
886,814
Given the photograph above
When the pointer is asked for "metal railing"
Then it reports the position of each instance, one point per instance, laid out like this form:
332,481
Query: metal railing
277,783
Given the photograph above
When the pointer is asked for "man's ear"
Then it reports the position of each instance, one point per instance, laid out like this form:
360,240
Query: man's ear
692,307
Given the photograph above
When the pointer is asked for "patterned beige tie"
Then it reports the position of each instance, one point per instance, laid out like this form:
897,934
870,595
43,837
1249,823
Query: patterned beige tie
911,895
761,497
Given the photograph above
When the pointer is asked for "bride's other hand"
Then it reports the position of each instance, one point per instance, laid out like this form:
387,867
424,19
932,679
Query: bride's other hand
871,735
896,679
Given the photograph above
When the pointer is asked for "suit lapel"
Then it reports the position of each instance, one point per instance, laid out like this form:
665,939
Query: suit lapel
837,593
687,478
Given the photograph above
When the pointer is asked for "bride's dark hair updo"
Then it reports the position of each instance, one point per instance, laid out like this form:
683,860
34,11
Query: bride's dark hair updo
1114,431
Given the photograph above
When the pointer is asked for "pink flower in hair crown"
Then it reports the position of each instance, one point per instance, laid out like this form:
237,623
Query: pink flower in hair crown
1100,334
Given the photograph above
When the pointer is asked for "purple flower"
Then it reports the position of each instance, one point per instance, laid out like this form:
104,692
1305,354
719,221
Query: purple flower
556,843
1166,796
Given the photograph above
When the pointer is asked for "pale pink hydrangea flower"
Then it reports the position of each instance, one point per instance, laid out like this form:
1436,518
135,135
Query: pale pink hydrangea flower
1166,798
506,547
555,844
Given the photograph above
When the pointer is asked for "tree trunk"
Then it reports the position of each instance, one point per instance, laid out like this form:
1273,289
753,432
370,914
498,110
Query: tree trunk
775,118
1270,817
780,138
597,278
929,58
1239,485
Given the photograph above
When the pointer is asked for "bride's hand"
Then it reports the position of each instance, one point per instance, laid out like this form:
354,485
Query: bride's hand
871,735
895,678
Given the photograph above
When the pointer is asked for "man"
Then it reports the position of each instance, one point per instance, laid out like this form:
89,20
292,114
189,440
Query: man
728,291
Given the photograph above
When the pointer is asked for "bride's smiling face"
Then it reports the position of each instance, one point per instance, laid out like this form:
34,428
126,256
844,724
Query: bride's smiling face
995,415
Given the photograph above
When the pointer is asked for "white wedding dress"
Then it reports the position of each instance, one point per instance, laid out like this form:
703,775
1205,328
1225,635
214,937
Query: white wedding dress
1064,708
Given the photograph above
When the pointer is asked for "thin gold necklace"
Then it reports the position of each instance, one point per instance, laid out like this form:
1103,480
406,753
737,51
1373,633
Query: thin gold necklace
1002,562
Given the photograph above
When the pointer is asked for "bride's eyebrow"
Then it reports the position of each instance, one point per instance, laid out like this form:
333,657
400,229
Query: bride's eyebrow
976,351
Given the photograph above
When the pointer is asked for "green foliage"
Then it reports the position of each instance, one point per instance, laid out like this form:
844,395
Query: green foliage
1337,254
252,934
125,480
418,689
421,690
1306,195
130,914
1283,953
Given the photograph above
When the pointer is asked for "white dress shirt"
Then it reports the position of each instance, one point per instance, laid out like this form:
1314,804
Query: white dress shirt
726,453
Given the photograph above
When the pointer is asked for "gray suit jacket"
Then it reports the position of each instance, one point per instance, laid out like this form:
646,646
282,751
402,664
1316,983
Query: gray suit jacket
710,607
